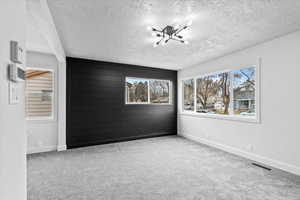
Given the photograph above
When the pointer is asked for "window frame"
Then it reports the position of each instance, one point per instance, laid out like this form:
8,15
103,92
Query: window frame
149,101
252,119
49,118
182,89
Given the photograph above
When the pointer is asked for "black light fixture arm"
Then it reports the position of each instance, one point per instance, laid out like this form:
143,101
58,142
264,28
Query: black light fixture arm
177,40
157,43
181,29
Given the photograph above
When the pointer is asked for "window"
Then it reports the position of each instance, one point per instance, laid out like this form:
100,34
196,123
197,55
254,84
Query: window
147,91
213,95
159,91
231,93
137,90
244,91
39,94
188,94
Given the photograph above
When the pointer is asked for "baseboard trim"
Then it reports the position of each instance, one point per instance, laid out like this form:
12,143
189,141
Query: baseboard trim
251,156
61,147
41,149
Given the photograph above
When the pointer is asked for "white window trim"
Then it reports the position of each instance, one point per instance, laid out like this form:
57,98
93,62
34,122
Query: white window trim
149,102
182,96
251,119
50,118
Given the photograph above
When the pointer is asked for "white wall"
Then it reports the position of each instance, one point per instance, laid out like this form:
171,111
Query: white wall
62,105
38,9
12,123
275,140
42,135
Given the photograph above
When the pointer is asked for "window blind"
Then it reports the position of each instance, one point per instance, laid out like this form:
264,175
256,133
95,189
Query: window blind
39,93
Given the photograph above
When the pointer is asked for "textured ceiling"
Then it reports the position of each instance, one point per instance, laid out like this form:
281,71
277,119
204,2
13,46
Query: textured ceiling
35,40
115,30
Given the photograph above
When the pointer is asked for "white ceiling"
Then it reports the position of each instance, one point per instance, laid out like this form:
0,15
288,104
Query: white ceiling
35,39
115,30
41,35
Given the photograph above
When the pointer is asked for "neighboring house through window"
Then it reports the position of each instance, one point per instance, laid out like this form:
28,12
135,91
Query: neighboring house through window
231,93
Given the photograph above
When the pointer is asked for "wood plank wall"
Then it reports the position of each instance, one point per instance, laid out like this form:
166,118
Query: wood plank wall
96,109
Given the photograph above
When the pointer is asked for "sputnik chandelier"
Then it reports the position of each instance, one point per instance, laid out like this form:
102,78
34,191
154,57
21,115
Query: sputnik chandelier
169,33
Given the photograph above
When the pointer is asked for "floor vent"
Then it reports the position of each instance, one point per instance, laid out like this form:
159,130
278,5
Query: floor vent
261,166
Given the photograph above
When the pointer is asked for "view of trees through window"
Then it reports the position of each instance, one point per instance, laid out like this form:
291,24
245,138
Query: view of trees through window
159,91
228,93
188,93
137,91
213,94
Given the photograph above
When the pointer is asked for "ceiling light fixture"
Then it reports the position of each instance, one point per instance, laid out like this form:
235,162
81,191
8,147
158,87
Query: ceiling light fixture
169,33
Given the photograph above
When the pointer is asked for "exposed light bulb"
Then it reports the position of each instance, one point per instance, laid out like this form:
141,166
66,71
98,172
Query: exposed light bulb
149,28
153,34
186,42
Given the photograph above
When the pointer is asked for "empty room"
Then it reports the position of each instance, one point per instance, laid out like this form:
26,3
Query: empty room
149,100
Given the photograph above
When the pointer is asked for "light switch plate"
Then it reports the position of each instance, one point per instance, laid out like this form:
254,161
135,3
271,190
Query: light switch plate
13,93
16,52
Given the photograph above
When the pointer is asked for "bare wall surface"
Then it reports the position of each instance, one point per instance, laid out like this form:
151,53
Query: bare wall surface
274,141
12,124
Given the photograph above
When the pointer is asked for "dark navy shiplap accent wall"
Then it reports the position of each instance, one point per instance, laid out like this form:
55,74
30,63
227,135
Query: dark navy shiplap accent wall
96,109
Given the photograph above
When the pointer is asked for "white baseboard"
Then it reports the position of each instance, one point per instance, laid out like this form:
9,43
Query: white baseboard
61,147
264,160
41,149
46,149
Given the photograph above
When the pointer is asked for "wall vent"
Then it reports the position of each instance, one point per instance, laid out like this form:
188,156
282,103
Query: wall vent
261,166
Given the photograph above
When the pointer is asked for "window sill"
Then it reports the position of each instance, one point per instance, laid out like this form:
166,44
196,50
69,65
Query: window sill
248,119
41,119
158,104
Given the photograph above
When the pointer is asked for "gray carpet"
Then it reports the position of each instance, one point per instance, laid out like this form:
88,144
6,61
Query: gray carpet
168,168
